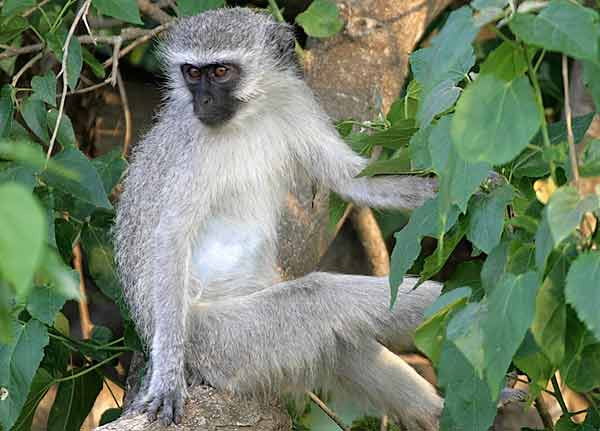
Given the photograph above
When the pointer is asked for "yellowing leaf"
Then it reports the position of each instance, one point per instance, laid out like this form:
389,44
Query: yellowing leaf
544,189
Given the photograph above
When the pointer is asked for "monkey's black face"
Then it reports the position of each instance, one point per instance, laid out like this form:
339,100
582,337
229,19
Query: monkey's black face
212,87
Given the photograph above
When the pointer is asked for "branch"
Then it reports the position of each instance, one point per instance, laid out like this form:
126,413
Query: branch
126,114
154,11
568,117
13,52
82,11
25,67
334,417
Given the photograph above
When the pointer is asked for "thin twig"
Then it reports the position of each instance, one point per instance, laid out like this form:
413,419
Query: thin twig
34,8
84,312
334,417
25,67
542,410
88,89
126,114
82,11
568,117
115,66
128,33
149,35
13,52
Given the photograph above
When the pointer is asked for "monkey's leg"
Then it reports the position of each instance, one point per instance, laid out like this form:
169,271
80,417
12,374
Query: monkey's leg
315,331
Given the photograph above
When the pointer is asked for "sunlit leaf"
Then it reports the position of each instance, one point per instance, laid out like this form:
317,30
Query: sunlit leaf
494,119
321,19
126,10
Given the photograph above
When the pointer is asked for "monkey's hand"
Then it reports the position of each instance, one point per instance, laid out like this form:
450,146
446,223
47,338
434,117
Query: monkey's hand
164,396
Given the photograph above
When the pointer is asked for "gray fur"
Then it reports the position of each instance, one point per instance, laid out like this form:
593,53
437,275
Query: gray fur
196,240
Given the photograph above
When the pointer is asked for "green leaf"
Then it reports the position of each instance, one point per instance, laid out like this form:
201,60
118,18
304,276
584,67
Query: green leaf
562,26
6,110
434,263
74,62
19,361
486,220
580,369
531,360
65,135
423,222
98,248
506,62
438,99
126,10
591,79
450,55
494,120
543,243
44,302
110,415
464,331
459,179
12,6
467,404
96,67
10,28
550,320
44,88
88,187
397,165
582,291
431,334
74,400
510,308
22,236
395,137
534,164
193,7
34,114
565,210
23,175
418,149
40,385
321,19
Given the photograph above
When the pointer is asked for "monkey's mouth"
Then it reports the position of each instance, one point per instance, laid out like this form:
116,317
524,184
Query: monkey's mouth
215,111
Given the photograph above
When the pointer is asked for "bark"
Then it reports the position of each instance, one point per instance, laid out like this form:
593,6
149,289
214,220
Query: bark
368,60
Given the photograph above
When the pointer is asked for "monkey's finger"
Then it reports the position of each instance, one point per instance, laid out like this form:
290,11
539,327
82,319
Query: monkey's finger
166,414
152,408
178,410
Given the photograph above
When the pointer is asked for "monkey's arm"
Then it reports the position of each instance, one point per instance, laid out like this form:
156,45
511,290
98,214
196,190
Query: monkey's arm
152,246
331,161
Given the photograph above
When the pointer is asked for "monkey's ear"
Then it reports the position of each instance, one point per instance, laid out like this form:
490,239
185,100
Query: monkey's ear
282,38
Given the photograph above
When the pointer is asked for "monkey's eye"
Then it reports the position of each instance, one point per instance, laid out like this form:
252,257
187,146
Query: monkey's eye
221,72
191,73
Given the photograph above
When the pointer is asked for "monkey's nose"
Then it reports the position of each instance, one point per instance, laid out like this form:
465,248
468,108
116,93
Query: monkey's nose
206,100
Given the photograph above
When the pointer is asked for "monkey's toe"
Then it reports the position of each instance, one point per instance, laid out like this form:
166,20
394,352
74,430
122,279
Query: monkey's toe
166,407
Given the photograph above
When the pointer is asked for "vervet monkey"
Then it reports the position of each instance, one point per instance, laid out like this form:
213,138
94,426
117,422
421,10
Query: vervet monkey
197,244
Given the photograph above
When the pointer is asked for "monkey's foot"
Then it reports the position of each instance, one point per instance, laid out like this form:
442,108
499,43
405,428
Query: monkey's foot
165,405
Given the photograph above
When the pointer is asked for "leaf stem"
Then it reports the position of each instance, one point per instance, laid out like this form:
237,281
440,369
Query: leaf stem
540,103
88,369
558,395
